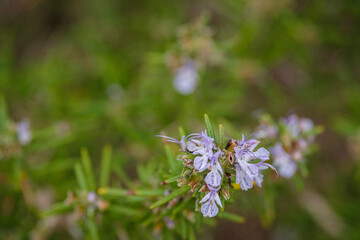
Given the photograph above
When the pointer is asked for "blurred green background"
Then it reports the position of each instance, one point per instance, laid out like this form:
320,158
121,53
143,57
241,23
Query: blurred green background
89,73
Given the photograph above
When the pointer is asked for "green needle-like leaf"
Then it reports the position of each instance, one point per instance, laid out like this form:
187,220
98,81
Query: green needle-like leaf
105,166
172,179
170,156
171,196
3,115
80,176
222,137
181,132
124,210
57,209
209,128
149,192
93,231
116,192
85,159
232,217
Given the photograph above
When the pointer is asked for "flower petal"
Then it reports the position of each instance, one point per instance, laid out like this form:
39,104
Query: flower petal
258,179
191,146
246,182
200,163
287,169
213,178
209,209
217,199
205,198
262,154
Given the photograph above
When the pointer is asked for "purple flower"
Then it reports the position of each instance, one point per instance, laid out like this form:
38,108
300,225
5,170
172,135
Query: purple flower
296,126
203,145
91,197
182,141
247,172
213,178
283,161
24,132
186,78
266,130
209,207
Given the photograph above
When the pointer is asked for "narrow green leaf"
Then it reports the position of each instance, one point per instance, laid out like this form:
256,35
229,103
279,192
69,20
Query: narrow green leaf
191,235
80,177
232,217
124,210
116,192
172,179
181,132
209,128
93,231
180,207
298,182
170,156
149,192
89,174
122,175
222,137
57,209
3,114
171,196
184,228
105,166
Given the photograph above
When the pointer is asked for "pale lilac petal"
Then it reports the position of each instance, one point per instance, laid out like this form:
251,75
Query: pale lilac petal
251,144
219,168
258,179
205,198
191,146
217,199
288,169
238,169
213,178
200,163
210,209
251,169
272,167
169,139
246,182
205,208
262,154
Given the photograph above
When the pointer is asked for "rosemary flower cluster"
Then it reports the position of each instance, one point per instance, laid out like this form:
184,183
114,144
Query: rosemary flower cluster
293,137
210,169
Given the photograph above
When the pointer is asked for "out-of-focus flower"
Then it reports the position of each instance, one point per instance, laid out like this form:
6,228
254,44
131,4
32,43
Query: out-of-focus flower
293,136
114,92
169,223
24,132
186,78
283,161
